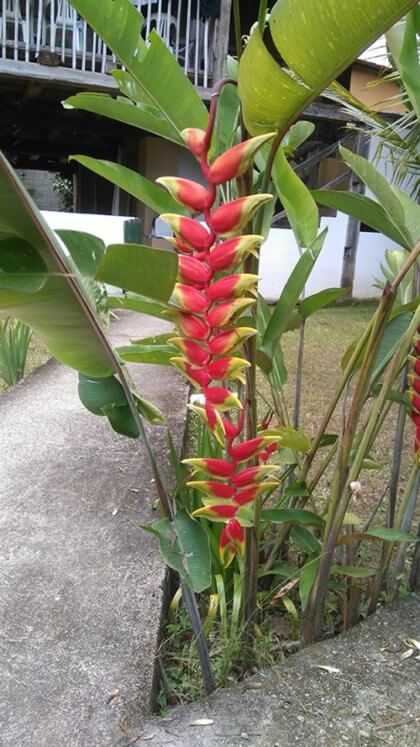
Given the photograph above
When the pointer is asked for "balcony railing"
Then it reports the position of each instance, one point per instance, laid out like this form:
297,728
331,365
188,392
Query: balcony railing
31,27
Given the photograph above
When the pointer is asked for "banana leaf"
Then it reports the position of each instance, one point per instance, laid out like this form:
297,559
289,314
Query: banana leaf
316,41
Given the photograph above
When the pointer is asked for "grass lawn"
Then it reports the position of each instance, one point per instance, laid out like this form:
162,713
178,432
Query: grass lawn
37,355
327,335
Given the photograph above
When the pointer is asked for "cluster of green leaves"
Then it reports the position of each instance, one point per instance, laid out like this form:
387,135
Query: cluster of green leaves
14,344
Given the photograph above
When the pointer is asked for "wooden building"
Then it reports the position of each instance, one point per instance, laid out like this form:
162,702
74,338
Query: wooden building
47,53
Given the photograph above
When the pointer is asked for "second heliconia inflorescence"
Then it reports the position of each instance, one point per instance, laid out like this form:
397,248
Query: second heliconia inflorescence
211,296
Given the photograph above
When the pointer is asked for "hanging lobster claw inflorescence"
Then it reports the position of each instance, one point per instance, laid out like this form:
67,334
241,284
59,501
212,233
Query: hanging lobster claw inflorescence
208,309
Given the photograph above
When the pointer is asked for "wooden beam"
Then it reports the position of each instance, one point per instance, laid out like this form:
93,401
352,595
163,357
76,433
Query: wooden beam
65,77
222,40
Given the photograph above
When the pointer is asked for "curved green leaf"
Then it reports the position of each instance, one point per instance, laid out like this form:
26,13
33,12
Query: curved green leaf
311,304
292,515
160,80
125,111
137,186
86,252
185,547
380,187
105,396
60,303
316,41
156,354
140,269
364,209
141,304
297,200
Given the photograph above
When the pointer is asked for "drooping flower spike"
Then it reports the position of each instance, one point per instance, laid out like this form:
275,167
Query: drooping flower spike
207,301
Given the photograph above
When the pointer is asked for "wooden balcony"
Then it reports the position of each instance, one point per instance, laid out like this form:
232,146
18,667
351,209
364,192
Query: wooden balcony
47,39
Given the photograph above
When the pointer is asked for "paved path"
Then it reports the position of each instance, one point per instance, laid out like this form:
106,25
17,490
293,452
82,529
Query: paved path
80,594
372,700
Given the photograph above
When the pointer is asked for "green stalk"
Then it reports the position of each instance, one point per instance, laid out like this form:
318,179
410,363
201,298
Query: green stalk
340,497
339,500
409,496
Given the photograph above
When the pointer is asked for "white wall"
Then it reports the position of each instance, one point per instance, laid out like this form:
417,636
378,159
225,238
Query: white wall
109,228
279,254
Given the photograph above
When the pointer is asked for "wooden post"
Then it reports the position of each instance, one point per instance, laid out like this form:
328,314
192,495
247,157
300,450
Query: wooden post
353,225
222,40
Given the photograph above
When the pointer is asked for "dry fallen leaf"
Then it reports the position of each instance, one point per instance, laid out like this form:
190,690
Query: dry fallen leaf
112,695
253,686
332,670
407,654
413,643
201,722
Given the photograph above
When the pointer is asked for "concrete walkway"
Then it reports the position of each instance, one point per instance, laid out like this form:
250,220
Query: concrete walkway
373,698
80,594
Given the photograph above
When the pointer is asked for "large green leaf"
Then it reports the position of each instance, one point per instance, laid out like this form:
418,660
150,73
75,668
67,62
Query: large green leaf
292,515
311,304
125,111
273,364
86,252
316,41
185,547
141,304
153,353
364,209
297,201
137,186
59,310
105,396
291,293
380,187
158,77
140,269
403,45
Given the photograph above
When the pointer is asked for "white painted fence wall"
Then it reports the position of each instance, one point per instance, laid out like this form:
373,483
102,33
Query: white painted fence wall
280,253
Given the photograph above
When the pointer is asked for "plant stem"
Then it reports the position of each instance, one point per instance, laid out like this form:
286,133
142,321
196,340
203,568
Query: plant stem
409,496
397,452
238,29
339,498
299,375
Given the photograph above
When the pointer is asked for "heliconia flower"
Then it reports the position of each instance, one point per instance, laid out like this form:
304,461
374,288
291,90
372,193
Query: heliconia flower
213,467
416,366
191,194
248,449
189,230
190,326
193,271
232,286
415,383
231,217
252,475
222,399
415,401
212,419
190,298
236,160
226,369
220,512
213,489
195,140
252,492
230,340
230,253
232,541
198,376
194,353
227,311
231,430
179,245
